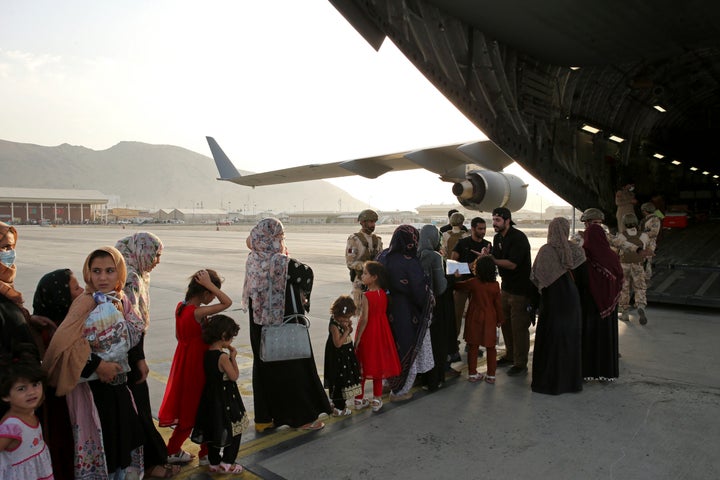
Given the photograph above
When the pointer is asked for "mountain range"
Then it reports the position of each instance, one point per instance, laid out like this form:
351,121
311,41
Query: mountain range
145,176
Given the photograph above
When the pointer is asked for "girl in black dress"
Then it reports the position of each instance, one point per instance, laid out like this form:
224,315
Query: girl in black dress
221,416
342,371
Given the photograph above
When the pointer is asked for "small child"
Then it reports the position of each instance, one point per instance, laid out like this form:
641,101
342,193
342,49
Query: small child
23,453
187,377
221,416
374,343
483,316
342,371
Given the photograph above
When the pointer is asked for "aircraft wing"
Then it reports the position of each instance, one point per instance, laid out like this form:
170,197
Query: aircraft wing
448,161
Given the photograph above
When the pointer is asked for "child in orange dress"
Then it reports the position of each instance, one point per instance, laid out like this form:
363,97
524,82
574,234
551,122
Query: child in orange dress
483,316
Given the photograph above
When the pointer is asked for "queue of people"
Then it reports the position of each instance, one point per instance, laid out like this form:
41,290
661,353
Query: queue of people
91,340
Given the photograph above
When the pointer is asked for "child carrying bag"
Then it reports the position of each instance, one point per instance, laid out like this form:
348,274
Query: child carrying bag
289,340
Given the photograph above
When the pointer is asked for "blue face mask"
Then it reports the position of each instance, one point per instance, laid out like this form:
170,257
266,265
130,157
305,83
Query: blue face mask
7,257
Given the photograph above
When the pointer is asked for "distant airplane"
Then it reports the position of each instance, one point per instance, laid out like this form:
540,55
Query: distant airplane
474,169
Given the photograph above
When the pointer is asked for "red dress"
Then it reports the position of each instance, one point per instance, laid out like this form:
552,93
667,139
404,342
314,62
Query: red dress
187,376
376,351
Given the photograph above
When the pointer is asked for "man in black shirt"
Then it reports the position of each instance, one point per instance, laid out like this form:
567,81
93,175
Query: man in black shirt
511,254
466,250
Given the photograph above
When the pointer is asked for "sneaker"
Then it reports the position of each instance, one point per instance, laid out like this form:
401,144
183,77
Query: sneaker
625,316
180,457
516,371
504,362
643,318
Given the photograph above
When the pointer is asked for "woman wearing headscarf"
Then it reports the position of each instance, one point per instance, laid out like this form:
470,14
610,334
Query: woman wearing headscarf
411,305
54,294
442,329
556,356
599,297
14,318
286,392
141,252
87,362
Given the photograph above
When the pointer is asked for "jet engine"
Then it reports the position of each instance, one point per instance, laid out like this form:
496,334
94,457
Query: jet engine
484,190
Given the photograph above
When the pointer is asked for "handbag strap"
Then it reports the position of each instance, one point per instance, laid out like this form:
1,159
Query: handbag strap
295,314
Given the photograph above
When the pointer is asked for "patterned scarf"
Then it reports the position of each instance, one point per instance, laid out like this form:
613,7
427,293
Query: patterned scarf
266,273
139,251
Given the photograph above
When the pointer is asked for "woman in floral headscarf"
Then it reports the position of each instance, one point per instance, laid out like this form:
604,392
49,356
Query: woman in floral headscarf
286,392
411,305
141,252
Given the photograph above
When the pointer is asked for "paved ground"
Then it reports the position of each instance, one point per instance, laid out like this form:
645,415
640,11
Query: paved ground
659,421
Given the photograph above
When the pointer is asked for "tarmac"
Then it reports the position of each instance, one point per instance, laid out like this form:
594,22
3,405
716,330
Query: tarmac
660,420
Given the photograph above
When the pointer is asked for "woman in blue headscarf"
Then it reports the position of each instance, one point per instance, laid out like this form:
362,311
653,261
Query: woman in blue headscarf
410,311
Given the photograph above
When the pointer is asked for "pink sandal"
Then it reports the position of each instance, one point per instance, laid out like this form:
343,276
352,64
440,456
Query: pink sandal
226,468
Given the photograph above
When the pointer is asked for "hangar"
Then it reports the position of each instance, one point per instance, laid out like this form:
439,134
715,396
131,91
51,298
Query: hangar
57,206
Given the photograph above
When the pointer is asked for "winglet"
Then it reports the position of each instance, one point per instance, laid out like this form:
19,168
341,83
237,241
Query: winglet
224,165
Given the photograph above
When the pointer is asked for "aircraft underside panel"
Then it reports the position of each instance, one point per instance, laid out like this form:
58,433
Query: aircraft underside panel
534,109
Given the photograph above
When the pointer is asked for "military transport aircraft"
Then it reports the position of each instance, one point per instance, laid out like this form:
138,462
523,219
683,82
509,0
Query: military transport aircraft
473,168
586,96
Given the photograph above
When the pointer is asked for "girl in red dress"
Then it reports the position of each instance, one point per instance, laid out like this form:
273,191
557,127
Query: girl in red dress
187,377
374,343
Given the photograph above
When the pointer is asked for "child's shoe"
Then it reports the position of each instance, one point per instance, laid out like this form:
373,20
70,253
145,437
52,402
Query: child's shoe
361,403
376,404
475,377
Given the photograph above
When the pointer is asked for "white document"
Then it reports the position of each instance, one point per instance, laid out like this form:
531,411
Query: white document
460,267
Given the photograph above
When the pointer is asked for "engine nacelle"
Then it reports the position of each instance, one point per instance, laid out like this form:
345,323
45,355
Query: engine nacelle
485,190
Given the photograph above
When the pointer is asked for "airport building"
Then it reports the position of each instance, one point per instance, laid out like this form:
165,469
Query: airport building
52,206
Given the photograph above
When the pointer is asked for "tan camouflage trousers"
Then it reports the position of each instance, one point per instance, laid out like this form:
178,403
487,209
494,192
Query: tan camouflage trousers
633,281
357,293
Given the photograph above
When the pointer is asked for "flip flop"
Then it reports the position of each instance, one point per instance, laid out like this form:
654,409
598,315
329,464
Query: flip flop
316,425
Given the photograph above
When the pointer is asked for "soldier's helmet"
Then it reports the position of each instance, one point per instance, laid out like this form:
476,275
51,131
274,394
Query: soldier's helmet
592,214
648,207
368,214
457,219
630,220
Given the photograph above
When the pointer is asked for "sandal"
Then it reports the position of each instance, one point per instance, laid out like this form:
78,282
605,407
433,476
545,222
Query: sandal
164,471
180,457
361,403
476,377
316,425
490,379
376,404
230,468
341,413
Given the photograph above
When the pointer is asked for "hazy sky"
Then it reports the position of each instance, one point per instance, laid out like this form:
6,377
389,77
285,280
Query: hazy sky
277,83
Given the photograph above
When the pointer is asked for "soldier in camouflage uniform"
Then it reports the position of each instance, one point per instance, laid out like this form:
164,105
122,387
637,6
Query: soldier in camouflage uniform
650,225
633,271
361,247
